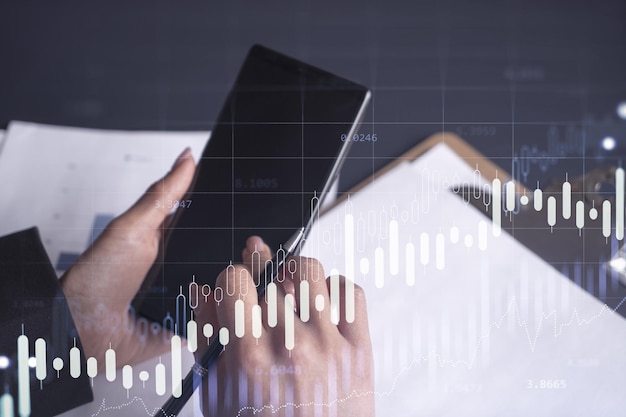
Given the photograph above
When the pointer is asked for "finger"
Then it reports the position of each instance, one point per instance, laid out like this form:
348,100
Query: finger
235,310
255,255
353,324
154,206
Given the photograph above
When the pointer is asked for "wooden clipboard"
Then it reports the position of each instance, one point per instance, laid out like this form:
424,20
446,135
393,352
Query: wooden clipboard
557,250
469,154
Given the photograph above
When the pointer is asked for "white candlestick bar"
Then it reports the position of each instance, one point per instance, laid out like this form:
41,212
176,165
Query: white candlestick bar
349,245
243,289
23,378
538,200
224,336
606,218
334,296
177,367
305,313
454,234
379,267
523,200
439,251
109,365
272,305
424,255
619,203
350,267
257,321
6,405
410,264
580,214
40,358
289,322
75,362
349,301
159,379
127,376
393,247
57,364
207,331
319,303
143,377
551,211
240,328
567,200
496,207
482,235
92,367
192,336
510,196
364,266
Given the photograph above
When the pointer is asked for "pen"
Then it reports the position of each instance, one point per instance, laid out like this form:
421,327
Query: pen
201,368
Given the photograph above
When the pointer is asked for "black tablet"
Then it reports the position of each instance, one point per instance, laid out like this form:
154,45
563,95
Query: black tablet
273,155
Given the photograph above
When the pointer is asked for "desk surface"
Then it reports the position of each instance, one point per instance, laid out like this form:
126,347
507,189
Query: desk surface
539,81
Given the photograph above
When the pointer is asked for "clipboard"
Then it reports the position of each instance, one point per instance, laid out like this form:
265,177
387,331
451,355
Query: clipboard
474,159
495,309
583,255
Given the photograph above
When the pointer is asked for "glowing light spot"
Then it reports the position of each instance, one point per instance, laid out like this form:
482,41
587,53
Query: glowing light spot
32,362
4,362
618,264
609,143
621,110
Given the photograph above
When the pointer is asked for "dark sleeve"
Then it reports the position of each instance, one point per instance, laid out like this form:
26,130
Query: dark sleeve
32,304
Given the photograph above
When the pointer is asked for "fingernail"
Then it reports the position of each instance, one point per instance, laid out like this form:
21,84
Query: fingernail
186,154
255,243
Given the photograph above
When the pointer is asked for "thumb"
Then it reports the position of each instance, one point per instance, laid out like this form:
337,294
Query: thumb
151,210
119,259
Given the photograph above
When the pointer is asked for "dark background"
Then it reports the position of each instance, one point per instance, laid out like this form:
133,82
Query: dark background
532,84
537,79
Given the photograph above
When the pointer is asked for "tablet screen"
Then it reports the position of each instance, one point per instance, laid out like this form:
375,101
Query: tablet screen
273,153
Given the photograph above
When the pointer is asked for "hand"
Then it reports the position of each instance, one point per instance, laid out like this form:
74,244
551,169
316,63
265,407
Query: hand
101,284
327,371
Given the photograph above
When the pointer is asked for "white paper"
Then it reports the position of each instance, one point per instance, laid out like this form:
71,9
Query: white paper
71,181
490,332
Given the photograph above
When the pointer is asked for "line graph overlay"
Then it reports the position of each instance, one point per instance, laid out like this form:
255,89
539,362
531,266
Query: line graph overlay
494,307
444,303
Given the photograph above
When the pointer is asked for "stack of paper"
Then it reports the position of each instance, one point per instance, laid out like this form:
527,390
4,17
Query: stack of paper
70,182
464,323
